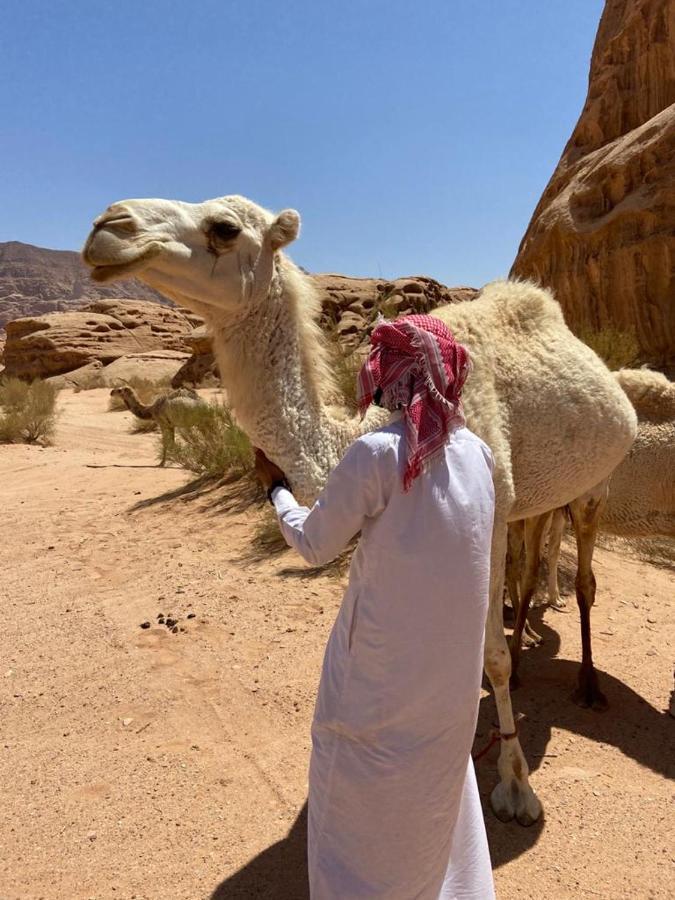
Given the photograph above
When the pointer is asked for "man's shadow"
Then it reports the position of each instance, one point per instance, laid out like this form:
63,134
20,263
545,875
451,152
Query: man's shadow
639,730
278,873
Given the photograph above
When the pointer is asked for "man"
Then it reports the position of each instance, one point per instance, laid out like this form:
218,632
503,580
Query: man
394,811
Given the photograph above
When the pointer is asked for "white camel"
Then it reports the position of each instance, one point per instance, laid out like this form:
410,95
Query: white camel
555,419
638,499
641,494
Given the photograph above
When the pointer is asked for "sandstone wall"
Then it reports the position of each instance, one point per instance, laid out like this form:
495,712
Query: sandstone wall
603,233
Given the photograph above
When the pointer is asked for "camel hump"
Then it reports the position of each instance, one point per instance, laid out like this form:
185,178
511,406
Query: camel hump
524,303
182,394
651,393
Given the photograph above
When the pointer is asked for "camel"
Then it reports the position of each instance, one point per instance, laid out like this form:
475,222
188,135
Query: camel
641,495
167,410
638,499
536,395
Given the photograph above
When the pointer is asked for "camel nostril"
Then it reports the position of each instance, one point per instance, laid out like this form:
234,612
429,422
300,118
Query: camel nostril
116,223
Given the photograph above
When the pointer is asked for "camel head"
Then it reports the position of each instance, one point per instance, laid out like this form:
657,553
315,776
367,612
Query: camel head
219,253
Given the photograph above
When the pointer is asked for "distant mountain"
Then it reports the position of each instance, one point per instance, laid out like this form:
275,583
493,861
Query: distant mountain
34,280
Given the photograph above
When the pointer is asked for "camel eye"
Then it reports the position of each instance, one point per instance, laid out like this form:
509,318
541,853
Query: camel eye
220,233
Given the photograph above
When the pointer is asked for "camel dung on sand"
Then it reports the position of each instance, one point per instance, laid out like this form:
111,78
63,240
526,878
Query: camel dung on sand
533,385
168,410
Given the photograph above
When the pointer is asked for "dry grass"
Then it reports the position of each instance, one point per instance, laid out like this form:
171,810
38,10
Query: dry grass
209,442
618,349
345,368
27,412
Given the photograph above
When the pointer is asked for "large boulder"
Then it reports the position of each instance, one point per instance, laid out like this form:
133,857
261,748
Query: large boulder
57,343
603,233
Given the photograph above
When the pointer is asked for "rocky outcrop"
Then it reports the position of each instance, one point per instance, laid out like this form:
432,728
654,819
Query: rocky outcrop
349,307
603,234
35,281
105,331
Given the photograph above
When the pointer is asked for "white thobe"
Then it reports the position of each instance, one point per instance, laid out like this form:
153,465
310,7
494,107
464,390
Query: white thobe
394,811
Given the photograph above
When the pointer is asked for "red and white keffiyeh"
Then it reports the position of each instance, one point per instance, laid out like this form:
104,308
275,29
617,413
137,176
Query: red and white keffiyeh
421,369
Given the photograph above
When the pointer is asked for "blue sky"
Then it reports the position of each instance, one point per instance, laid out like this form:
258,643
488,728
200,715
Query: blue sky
413,137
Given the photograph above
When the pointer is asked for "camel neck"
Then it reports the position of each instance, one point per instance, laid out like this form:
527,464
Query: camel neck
276,387
136,407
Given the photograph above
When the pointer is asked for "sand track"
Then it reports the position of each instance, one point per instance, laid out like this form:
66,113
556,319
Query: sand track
144,764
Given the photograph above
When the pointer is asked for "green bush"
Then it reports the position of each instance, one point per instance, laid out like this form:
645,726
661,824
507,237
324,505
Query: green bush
618,349
209,442
27,411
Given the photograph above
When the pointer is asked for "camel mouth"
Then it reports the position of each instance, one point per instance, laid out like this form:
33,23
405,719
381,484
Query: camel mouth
113,270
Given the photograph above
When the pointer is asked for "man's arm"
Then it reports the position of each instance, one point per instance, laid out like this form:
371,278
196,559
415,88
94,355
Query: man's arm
357,489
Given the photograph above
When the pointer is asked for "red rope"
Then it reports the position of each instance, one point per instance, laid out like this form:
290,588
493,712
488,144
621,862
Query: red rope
495,736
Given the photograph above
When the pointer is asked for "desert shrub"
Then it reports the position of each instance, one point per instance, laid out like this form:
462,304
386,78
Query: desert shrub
209,442
617,348
27,411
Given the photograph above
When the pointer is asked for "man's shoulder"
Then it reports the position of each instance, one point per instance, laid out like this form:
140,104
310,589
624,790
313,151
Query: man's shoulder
469,437
383,439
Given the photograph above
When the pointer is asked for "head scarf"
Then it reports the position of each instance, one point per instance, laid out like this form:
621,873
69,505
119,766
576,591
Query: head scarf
419,367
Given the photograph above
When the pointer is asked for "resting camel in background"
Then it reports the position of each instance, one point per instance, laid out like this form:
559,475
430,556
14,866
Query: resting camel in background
553,415
637,500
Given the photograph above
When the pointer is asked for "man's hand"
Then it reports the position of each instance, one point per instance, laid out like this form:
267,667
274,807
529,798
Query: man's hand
266,471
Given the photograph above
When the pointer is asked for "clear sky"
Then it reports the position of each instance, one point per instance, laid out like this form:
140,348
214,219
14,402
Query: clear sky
413,137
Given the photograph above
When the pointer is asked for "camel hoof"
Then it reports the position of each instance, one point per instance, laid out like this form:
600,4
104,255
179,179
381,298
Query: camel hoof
589,696
532,639
558,603
515,801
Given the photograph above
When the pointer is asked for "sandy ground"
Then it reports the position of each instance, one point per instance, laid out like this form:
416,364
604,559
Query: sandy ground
139,763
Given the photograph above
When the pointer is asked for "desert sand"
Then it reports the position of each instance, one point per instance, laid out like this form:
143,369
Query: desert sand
141,763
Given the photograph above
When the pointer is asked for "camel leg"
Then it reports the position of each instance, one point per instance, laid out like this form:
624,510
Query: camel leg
534,529
168,437
512,797
554,542
586,512
514,562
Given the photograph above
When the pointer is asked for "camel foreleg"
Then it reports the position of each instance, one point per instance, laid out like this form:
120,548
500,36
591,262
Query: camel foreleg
586,511
512,797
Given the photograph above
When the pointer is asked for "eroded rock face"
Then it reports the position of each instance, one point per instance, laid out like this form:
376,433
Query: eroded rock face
603,234
105,331
351,305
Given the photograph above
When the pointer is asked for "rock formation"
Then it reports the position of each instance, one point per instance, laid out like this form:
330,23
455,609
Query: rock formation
34,281
603,233
105,331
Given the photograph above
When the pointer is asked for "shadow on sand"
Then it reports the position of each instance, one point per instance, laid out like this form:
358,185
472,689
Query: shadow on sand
640,731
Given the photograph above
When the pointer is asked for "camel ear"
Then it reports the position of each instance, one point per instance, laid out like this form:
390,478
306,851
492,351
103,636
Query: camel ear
285,228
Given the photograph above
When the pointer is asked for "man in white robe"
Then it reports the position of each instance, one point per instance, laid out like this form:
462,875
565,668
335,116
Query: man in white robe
394,811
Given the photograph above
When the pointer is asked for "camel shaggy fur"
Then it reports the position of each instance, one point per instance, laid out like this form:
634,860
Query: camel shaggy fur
533,385
167,411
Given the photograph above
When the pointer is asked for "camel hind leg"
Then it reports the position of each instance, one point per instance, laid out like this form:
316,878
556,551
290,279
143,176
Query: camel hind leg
586,511
512,797
553,558
534,528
